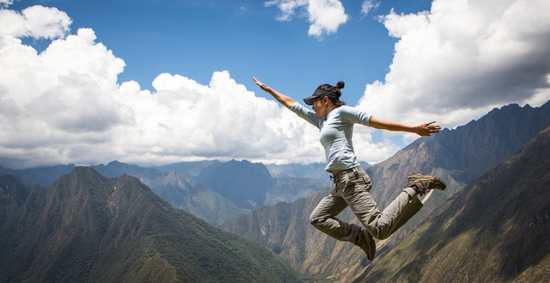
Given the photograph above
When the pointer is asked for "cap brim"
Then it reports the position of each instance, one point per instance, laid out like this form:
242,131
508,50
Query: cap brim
309,100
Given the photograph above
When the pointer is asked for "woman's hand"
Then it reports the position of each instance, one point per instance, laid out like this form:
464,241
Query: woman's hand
261,85
427,129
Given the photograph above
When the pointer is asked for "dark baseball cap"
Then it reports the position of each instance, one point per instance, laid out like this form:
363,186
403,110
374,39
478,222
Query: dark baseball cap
318,95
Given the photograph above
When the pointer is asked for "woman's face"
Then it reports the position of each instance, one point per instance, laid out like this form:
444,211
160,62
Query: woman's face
321,107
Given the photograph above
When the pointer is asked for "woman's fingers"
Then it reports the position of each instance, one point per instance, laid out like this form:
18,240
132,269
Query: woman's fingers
255,80
433,130
263,86
428,129
431,127
258,83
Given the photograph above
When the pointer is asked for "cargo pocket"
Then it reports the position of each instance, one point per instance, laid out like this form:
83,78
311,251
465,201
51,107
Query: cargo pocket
362,180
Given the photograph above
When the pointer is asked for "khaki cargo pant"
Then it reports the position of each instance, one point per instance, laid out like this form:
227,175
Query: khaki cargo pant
352,188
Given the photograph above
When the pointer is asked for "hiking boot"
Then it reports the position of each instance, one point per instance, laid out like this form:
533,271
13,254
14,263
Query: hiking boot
422,184
365,241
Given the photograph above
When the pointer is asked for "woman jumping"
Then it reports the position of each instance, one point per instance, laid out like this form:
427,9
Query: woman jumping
350,183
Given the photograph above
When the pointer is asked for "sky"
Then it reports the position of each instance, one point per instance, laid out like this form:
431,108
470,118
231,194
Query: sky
196,38
155,82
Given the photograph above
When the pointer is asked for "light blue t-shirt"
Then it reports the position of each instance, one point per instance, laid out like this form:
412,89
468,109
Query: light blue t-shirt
336,133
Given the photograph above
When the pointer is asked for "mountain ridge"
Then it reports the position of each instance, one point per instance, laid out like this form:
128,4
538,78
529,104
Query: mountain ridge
89,228
503,216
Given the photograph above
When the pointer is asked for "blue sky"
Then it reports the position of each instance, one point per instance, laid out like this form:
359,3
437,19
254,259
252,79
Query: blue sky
196,38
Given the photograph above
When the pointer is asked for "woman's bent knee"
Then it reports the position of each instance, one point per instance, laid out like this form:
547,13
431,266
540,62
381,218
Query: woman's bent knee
315,220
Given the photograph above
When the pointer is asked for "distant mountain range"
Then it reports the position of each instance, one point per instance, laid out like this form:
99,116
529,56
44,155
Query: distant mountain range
89,228
458,156
189,168
212,190
243,182
311,170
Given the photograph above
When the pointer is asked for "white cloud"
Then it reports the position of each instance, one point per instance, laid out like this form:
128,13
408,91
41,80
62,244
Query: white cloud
287,7
59,101
369,5
65,104
36,21
373,152
184,119
462,58
325,16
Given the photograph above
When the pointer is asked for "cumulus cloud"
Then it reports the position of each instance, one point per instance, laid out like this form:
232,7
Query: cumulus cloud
325,16
59,101
36,22
182,118
463,58
65,104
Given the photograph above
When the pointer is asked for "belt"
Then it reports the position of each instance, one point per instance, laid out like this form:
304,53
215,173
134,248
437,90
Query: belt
337,175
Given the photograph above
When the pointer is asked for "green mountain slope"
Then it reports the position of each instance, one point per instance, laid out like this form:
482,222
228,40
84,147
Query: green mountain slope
496,230
89,228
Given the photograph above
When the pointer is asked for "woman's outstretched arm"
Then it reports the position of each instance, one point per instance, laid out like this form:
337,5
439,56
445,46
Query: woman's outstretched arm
426,129
285,100
291,104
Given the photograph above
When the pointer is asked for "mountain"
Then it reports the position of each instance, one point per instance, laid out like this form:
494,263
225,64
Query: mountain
289,189
43,175
312,170
179,189
243,182
465,153
176,187
200,201
89,228
496,230
116,168
13,195
190,168
284,229
458,156
177,184
46,175
454,155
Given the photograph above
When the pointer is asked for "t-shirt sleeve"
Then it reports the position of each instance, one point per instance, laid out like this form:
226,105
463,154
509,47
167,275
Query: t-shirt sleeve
355,116
304,113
